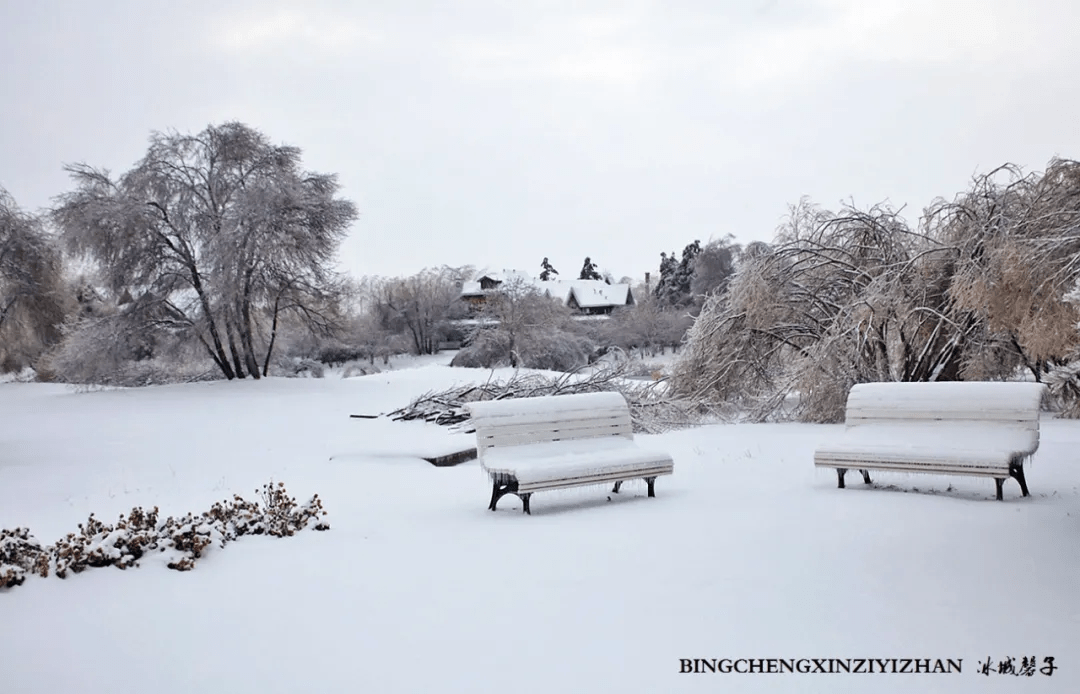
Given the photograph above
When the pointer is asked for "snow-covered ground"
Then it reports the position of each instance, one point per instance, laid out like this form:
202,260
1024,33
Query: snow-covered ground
747,552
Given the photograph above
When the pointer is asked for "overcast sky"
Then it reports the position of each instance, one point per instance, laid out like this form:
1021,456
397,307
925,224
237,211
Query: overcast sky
496,133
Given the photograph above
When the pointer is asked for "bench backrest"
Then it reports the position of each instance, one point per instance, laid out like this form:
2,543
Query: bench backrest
520,421
1016,403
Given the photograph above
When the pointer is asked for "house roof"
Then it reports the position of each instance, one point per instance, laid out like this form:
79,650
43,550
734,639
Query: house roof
473,288
594,293
586,293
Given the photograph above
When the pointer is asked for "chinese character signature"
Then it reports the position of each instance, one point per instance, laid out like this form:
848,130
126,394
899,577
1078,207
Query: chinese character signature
1025,667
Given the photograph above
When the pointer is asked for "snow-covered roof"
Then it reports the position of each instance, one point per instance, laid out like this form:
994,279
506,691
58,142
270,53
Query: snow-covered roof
586,293
594,293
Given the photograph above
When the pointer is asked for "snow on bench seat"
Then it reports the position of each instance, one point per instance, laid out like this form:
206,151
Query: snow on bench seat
971,429
553,442
569,459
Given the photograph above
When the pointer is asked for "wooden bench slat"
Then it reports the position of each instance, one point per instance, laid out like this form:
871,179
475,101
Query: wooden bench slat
595,479
497,439
555,442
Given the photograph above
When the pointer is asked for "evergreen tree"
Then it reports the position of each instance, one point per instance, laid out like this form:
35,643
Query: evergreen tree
665,287
547,271
589,271
673,289
685,272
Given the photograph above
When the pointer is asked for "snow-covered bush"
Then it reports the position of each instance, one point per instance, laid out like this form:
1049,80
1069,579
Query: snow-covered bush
182,540
298,367
353,370
647,328
557,350
112,348
20,554
489,349
338,354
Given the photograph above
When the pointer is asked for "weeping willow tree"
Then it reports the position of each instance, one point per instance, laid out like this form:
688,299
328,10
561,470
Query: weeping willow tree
837,299
1017,242
977,291
216,236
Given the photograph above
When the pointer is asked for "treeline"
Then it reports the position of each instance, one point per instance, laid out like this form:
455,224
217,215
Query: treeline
212,257
983,287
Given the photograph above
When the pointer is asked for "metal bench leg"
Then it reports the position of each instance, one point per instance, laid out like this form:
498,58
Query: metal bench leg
498,491
615,490
999,482
865,476
525,502
840,477
1017,471
651,481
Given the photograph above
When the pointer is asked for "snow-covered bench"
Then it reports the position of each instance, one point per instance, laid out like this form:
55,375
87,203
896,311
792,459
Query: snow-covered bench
971,429
532,445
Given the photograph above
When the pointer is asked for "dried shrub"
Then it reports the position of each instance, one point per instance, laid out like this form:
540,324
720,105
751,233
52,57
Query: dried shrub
186,538
20,554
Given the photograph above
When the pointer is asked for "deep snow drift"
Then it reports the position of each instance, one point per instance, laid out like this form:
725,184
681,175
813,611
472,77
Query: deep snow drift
747,552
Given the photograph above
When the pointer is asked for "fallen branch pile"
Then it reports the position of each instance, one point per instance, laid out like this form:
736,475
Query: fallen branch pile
651,411
141,532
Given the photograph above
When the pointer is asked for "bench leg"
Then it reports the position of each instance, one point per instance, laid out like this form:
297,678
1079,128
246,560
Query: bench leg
999,482
840,477
525,502
615,490
865,476
498,491
651,481
1017,471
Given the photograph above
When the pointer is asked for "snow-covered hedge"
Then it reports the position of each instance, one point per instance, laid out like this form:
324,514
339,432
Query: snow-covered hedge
181,540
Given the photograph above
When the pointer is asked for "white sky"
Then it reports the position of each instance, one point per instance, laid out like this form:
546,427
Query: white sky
497,133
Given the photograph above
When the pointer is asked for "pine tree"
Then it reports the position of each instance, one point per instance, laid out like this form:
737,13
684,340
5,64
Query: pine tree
685,272
665,286
548,271
673,289
589,272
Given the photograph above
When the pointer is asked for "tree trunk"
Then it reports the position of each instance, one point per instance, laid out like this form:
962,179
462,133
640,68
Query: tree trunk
273,335
246,340
230,329
218,352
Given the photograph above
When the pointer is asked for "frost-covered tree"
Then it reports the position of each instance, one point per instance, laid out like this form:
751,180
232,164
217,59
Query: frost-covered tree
1063,378
1017,241
217,236
840,299
31,287
646,328
713,267
420,306
980,289
520,326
